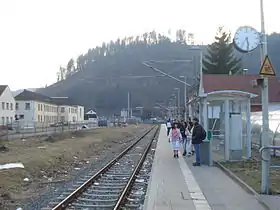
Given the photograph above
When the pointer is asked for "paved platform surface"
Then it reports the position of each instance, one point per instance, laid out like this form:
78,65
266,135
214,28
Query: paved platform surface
175,184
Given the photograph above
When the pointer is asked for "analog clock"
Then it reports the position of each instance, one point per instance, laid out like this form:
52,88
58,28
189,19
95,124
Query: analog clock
246,39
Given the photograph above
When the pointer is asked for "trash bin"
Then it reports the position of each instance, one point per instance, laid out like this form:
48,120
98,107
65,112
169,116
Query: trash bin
205,149
205,153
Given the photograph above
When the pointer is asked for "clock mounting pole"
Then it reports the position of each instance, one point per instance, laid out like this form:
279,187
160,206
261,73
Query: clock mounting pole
265,103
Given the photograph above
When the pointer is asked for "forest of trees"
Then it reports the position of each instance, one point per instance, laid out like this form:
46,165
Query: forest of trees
102,77
114,47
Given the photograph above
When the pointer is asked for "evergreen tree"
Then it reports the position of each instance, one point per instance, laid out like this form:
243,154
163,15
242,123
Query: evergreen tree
70,67
220,57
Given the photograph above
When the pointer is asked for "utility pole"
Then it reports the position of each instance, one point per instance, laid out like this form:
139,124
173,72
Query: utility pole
265,120
128,105
185,99
179,104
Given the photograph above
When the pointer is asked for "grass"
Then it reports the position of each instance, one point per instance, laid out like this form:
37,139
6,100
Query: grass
250,172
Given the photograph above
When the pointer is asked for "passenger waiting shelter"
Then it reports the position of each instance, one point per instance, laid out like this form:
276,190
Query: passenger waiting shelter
225,114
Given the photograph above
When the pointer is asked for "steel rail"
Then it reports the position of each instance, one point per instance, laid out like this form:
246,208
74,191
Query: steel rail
134,174
74,195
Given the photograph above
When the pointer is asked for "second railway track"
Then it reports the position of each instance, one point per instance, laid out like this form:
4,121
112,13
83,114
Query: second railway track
107,189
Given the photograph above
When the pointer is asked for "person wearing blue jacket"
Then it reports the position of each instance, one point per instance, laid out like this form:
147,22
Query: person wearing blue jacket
168,125
198,135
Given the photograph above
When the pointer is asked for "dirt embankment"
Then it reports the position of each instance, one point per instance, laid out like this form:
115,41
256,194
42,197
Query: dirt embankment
50,159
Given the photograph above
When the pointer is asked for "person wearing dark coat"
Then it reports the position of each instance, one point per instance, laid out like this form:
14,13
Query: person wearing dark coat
198,135
182,127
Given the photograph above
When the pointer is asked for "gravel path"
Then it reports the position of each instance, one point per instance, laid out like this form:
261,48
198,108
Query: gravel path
136,198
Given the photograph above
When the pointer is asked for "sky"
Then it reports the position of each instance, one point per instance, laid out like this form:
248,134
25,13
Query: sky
37,36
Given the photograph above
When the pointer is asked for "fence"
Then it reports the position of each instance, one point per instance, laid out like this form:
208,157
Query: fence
256,132
17,131
274,130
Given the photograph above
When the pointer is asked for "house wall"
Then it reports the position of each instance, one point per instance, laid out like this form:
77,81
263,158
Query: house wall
7,107
25,112
45,113
80,114
72,114
67,113
40,113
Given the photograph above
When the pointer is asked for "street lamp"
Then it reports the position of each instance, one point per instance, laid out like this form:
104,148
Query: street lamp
178,98
172,100
185,97
147,64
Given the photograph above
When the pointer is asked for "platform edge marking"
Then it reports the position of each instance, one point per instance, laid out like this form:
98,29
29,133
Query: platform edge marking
199,200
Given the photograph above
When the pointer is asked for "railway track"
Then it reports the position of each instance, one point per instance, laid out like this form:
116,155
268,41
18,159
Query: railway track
110,187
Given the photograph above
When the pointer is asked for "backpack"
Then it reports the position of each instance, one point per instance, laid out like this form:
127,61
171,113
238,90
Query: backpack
203,133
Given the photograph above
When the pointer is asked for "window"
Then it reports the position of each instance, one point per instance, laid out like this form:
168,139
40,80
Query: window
80,112
3,120
7,120
45,108
62,118
7,106
39,106
62,109
21,116
3,105
11,119
12,106
27,106
39,118
17,106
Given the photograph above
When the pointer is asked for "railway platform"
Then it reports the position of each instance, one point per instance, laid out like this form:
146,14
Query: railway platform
176,184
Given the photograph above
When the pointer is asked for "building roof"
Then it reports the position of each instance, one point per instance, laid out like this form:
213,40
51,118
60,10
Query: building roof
2,88
91,112
214,82
63,101
27,95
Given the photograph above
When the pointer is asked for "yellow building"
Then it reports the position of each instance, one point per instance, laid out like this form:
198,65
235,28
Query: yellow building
34,108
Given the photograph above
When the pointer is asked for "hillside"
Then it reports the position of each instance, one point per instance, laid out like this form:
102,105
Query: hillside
16,92
104,75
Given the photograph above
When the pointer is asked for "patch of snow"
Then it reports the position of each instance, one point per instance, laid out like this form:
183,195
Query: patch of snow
11,165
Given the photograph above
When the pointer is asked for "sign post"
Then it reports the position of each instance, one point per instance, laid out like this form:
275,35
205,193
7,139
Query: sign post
265,72
267,68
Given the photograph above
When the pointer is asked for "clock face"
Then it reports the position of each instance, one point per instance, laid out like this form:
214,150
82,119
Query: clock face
246,39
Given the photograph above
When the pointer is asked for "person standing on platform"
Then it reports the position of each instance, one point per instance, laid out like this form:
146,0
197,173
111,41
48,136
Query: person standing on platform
182,127
190,125
188,140
190,128
175,137
168,125
198,135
